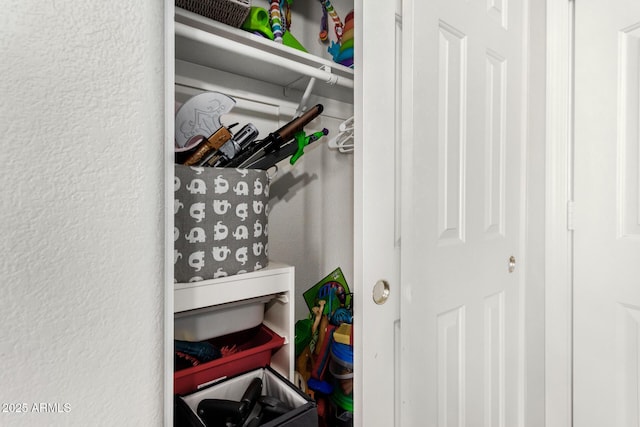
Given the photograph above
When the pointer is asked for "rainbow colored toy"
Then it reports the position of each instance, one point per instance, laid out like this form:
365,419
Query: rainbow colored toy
276,21
337,24
342,52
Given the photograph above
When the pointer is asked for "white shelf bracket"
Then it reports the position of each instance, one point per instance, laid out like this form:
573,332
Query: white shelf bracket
302,106
333,79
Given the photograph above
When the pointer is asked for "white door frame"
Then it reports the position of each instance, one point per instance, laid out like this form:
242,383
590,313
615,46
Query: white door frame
558,236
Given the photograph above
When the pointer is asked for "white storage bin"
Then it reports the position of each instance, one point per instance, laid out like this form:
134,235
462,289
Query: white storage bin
210,322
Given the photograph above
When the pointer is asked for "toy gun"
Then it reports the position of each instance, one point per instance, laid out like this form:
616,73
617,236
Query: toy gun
293,149
233,147
275,140
208,147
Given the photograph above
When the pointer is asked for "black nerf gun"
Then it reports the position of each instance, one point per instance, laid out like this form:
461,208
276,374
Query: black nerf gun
293,149
275,140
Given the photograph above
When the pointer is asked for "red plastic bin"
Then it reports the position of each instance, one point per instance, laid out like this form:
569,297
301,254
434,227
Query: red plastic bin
255,348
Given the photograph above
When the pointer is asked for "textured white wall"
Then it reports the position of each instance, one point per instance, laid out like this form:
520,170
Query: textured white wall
81,217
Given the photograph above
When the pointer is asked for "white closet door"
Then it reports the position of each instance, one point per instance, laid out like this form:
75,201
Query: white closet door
607,214
464,137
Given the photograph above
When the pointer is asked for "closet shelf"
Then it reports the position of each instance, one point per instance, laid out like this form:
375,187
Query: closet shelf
276,278
209,43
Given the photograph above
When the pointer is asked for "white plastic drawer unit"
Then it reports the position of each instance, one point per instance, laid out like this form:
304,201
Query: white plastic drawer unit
220,306
211,322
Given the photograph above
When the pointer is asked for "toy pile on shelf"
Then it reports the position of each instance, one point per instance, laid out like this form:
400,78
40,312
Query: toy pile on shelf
271,19
275,24
324,350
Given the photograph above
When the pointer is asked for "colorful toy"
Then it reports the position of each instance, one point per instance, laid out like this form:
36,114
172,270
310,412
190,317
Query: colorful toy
320,386
276,23
257,22
317,313
324,24
303,335
337,24
322,352
343,335
325,366
340,316
285,5
339,297
304,364
342,52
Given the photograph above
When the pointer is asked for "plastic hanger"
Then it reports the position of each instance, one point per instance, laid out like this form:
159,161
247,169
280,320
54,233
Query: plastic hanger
344,141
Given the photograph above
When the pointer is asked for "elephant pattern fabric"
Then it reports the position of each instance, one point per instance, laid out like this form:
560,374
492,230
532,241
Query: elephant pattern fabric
221,226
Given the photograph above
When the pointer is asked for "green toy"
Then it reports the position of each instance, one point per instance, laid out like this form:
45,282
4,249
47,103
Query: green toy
289,40
303,140
333,290
258,22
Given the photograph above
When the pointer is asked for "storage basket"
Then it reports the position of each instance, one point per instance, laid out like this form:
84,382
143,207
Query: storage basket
300,410
221,222
254,350
230,12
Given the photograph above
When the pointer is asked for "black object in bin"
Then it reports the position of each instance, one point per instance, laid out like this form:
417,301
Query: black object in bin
260,397
222,412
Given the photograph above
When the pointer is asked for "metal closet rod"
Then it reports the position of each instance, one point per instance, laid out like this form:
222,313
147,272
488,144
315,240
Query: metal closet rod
249,51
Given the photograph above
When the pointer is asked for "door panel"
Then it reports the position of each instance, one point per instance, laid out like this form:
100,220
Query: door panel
463,204
607,214
452,70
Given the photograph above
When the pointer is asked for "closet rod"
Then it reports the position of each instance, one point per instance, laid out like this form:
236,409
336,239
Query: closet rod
252,52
